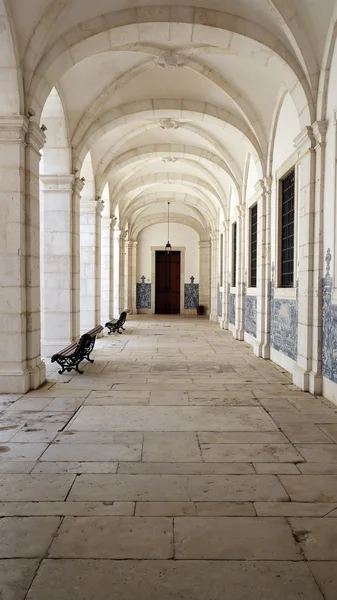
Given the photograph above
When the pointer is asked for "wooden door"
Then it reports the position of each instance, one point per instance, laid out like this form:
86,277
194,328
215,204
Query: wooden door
167,299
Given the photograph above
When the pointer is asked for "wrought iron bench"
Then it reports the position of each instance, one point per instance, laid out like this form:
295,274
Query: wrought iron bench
70,357
115,325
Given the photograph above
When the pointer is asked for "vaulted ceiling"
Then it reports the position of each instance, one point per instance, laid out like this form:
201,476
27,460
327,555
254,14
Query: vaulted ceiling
168,100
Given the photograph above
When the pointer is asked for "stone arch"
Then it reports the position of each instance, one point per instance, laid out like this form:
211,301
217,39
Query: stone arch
140,224
56,159
11,84
280,99
158,151
326,67
192,111
118,24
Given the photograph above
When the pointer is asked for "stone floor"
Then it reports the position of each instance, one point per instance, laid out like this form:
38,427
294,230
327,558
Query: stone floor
178,466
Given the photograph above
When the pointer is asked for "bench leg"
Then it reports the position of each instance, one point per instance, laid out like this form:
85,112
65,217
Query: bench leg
63,369
91,360
78,370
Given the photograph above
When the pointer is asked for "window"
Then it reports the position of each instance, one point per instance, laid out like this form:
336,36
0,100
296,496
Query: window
287,230
234,233
253,246
221,260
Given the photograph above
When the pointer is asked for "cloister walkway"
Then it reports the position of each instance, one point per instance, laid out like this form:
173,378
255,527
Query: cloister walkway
178,466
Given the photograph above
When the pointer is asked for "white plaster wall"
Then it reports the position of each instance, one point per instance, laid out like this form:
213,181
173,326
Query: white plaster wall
251,179
156,235
330,187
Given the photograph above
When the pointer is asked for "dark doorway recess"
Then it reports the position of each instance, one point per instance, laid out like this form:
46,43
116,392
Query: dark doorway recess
167,300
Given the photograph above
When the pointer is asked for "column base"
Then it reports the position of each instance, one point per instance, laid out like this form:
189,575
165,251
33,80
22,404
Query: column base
301,378
315,384
20,382
238,334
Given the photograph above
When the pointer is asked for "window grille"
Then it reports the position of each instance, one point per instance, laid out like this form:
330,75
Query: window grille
287,230
253,246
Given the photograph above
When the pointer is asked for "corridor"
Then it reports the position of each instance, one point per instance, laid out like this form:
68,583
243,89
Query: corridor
178,466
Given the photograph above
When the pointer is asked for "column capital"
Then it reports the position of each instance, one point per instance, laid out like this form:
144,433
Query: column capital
305,141
78,185
204,243
92,206
240,210
260,187
57,183
13,129
99,206
123,235
319,129
35,136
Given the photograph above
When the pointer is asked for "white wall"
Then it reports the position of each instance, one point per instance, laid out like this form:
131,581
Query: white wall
330,168
251,179
156,235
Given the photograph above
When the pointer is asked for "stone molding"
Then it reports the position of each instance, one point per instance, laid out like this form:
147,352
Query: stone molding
13,129
305,141
170,60
57,183
35,137
78,185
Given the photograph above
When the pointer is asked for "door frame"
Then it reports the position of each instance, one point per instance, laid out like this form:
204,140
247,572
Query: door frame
182,250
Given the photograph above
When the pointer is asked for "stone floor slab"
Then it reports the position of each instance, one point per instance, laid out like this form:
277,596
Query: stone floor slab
310,434
18,452
26,537
165,509
167,580
293,509
63,509
16,488
114,537
225,509
234,538
250,453
75,467
99,437
310,488
171,447
325,575
16,576
92,452
317,537
185,468
183,418
330,429
242,437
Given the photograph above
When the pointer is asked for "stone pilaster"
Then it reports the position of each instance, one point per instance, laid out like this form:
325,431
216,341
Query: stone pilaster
205,274
116,266
132,276
225,276
77,188
214,275
21,367
122,270
57,318
261,347
305,146
107,269
90,240
315,375
238,332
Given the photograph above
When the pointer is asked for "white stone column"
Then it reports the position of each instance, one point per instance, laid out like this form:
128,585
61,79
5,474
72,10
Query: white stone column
107,265
122,270
315,374
90,240
57,263
21,367
238,332
205,274
214,275
116,246
132,276
78,185
305,146
261,346
225,299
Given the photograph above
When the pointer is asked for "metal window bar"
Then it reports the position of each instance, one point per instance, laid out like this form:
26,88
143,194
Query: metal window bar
253,246
234,248
287,230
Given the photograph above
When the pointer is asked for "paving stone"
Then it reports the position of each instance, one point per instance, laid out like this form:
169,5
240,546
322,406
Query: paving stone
318,468
16,576
29,404
35,435
183,418
310,434
64,404
62,509
171,447
293,509
302,419
99,437
312,404
165,509
234,538
325,575
26,537
317,537
166,488
250,453
91,452
169,580
12,466
225,509
310,488
330,429
276,468
278,403
20,452
75,467
242,437
185,468
319,453
168,398
16,488
114,537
